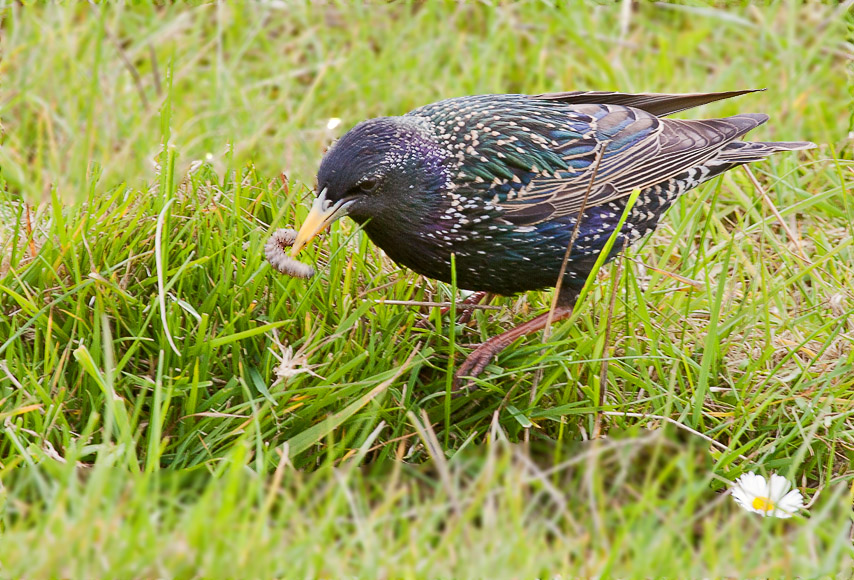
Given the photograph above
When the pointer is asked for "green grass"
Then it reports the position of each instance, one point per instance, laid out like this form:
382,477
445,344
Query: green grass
171,407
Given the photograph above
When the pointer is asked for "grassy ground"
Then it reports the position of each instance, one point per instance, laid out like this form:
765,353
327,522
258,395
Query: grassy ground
173,408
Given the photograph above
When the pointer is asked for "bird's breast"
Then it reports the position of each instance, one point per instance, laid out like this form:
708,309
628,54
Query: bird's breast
503,259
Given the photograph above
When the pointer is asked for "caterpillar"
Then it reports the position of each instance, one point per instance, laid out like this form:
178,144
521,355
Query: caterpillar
276,251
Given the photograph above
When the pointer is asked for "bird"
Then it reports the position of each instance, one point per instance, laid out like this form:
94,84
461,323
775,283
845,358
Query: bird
522,192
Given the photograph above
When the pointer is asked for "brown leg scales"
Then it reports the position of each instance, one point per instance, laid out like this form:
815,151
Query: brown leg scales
483,354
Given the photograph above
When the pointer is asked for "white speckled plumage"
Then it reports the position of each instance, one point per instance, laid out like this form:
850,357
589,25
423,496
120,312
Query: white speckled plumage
499,180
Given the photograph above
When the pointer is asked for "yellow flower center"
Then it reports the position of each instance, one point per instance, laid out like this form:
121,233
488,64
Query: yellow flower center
763,504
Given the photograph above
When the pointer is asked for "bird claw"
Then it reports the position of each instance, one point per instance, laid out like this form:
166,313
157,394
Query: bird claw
482,355
474,364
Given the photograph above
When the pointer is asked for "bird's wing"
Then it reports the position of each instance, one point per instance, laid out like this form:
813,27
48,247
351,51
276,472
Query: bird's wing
658,104
536,159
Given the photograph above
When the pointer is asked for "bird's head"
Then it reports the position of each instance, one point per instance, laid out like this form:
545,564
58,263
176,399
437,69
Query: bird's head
376,170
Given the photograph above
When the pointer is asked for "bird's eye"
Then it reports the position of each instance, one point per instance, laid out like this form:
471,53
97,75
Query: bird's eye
368,185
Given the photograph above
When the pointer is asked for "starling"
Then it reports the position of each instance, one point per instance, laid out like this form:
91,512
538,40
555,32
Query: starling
510,184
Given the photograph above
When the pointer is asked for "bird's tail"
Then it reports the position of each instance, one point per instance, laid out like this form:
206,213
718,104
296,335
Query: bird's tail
748,151
738,153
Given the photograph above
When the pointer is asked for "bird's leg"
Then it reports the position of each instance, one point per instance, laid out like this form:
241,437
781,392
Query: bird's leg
480,357
465,316
475,298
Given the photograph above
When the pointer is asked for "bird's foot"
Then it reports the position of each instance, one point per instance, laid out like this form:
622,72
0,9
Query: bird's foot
475,363
483,354
465,315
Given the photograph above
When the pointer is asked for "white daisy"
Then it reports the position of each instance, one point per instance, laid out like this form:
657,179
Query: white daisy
773,497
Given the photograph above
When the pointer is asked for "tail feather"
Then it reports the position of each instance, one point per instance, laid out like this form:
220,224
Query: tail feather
748,151
740,152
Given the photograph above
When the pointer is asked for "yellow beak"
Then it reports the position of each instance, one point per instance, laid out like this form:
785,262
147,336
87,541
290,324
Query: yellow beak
322,214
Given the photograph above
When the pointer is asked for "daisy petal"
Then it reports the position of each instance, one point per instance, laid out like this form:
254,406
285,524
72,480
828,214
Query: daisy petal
741,496
778,486
753,483
791,502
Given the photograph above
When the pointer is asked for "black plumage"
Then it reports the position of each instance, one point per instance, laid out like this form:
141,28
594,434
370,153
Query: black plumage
499,181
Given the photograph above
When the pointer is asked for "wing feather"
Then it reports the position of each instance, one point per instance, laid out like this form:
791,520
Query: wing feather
658,104
520,152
